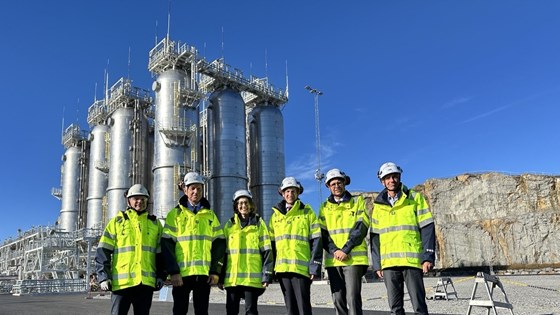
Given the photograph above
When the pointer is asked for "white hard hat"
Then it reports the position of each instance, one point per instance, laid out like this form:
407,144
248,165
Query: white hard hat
137,190
242,193
290,182
388,168
336,173
193,178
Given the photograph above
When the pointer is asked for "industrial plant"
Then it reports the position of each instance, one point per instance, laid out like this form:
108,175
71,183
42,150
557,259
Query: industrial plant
200,115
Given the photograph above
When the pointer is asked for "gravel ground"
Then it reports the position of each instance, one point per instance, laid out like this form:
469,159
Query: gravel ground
529,295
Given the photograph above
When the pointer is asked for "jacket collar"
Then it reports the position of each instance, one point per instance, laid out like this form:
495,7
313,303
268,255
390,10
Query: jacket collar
345,197
383,197
281,206
204,204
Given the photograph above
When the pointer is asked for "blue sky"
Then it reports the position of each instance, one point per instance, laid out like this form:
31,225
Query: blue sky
439,87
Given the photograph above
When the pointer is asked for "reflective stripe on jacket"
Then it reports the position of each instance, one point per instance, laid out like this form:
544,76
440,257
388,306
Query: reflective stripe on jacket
297,240
189,242
249,253
132,241
345,226
398,227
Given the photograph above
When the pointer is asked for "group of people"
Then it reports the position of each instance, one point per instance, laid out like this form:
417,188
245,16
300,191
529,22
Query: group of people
243,256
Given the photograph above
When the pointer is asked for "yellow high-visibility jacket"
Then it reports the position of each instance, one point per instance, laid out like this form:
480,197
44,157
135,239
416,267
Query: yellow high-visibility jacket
127,250
249,260
403,234
296,239
193,243
344,227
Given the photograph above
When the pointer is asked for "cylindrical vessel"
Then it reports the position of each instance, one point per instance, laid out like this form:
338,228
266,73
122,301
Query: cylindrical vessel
266,143
97,177
120,160
229,164
68,217
174,139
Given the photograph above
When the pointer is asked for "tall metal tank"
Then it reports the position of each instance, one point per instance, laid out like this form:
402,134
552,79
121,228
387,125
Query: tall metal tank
266,147
226,113
175,137
97,176
120,160
128,141
74,170
97,185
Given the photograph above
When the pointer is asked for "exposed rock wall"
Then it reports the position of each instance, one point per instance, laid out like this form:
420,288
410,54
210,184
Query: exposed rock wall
494,219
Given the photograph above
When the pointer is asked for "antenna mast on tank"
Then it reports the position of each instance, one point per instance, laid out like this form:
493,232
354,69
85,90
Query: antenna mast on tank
168,19
287,93
318,174
128,62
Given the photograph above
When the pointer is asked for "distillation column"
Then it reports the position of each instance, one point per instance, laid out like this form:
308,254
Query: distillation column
176,120
266,156
74,171
226,120
97,186
174,136
128,140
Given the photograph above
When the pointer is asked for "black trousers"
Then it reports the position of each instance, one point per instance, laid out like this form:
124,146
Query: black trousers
201,295
297,293
235,294
395,278
346,289
139,296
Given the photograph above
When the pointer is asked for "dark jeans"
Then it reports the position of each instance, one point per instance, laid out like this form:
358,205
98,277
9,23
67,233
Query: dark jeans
235,294
297,293
395,278
201,295
139,296
346,289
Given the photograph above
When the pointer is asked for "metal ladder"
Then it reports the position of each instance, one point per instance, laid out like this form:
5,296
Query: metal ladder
491,303
444,289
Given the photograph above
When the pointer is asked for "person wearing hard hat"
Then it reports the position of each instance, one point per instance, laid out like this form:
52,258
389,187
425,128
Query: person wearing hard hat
128,258
344,226
402,240
296,242
249,262
193,247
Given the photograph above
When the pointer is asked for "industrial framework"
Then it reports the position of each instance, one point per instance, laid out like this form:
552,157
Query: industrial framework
200,116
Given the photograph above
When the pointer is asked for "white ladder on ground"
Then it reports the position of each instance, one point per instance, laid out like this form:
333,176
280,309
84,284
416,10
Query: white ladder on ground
444,289
489,282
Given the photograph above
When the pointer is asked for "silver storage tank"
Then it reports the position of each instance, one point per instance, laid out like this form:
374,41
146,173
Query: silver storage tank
141,164
173,139
267,162
97,176
120,160
228,147
68,217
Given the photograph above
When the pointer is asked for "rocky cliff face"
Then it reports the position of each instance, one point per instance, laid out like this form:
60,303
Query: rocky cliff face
494,219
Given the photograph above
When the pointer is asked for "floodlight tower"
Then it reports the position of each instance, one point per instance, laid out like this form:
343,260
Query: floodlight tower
318,174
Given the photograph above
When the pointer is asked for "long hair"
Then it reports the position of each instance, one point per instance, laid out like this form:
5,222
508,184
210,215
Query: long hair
252,207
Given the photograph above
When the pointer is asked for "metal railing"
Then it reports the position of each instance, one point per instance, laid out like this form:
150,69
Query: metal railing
48,286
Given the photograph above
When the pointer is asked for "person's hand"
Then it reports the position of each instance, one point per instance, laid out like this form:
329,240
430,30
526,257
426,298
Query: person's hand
265,285
105,285
213,279
220,286
176,280
312,277
159,283
379,274
340,255
427,266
